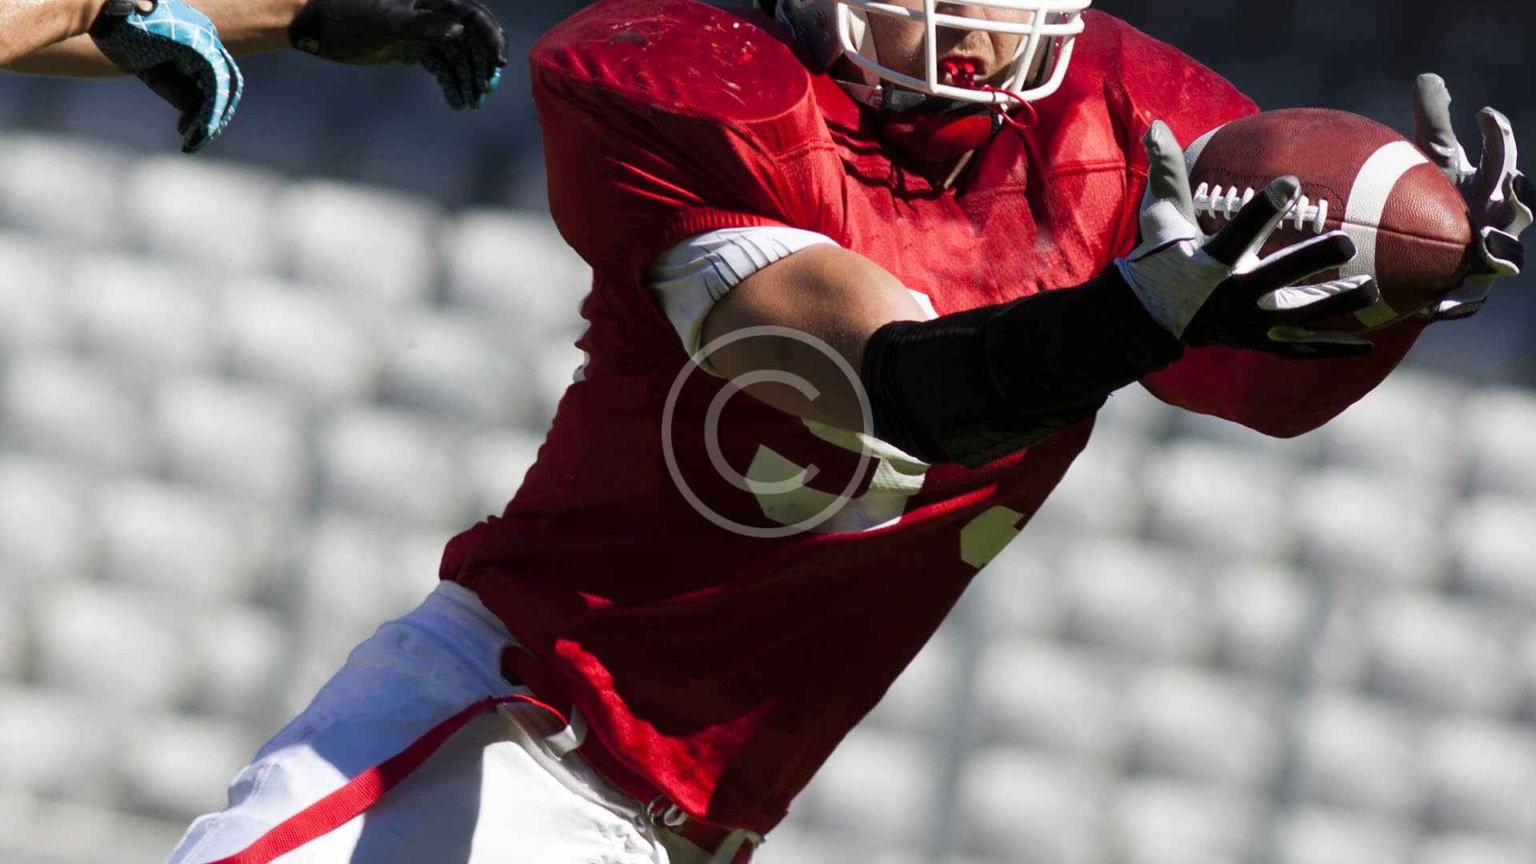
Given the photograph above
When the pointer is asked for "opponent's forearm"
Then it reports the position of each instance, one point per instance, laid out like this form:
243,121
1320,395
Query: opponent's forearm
246,27
29,25
251,26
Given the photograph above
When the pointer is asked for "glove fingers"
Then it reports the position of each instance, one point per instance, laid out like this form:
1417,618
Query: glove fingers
447,75
1432,128
487,46
211,107
1518,201
1253,224
1303,344
1167,176
1503,254
1302,261
1299,305
1455,310
495,39
1523,190
167,82
1496,163
432,27
235,88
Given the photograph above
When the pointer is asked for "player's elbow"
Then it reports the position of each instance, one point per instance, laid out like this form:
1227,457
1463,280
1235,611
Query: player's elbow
798,329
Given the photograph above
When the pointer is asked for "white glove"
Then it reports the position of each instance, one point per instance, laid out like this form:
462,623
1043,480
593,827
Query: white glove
1497,194
1216,290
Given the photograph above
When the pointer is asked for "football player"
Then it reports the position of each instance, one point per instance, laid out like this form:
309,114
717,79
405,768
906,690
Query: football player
930,240
178,51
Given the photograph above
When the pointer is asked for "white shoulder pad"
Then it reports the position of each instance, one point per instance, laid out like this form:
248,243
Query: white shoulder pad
691,277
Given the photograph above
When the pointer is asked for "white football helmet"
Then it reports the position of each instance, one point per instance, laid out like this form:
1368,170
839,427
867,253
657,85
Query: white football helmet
831,29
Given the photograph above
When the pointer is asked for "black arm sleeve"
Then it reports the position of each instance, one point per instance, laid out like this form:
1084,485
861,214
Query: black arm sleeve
977,385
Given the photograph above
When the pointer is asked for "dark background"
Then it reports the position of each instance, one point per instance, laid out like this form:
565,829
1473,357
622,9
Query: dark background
391,127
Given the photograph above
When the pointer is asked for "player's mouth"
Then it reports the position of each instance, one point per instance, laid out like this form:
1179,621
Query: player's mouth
961,71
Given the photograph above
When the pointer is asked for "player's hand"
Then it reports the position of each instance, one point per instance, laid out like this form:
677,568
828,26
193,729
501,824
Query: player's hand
458,41
1216,290
1498,194
176,50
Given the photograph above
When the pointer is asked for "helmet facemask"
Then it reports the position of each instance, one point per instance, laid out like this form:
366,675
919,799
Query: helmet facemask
1035,70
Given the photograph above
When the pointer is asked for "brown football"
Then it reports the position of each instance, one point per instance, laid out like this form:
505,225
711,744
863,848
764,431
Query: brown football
1409,223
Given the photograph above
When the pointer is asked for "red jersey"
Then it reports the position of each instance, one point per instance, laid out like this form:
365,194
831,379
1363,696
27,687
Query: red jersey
725,668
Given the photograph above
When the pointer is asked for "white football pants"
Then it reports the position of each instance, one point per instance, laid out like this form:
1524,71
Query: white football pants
503,790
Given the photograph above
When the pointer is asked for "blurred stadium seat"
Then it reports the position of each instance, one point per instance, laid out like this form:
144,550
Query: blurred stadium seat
32,313
144,316
56,745
372,244
215,214
1148,601
1220,498
1442,654
1473,849
1494,549
1029,805
1495,426
45,522
1263,612
1040,694
66,188
247,440
1361,754
1408,429
1101,493
1022,591
76,410
1205,727
114,645
1381,528
1170,822
188,544
1482,777
295,336
878,786
514,265
1315,835
452,366
392,462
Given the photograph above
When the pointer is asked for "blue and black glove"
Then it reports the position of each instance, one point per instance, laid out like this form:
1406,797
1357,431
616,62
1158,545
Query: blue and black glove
458,41
176,50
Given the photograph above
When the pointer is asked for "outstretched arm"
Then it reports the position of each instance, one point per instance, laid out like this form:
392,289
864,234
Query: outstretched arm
973,386
458,41
28,26
246,28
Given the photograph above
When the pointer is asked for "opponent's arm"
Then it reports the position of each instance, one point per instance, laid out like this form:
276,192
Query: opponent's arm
458,41
246,28
28,26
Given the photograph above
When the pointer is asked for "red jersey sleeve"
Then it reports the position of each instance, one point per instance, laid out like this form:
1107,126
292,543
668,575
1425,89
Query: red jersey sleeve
663,119
1273,395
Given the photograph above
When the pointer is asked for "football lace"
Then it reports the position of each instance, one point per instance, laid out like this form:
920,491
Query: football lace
1225,202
